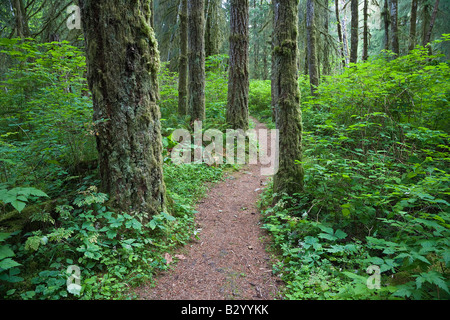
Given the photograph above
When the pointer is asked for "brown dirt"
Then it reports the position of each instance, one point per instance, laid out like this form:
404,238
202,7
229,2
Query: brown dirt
229,261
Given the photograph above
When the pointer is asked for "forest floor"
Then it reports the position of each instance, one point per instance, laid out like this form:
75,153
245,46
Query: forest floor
229,260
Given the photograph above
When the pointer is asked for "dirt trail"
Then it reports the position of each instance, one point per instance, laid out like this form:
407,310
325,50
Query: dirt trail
229,260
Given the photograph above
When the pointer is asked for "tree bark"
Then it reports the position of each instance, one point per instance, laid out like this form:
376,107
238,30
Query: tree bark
197,74
311,44
289,178
326,47
20,15
183,64
365,32
387,23
427,37
345,37
238,81
394,27
413,25
339,30
123,62
354,35
211,30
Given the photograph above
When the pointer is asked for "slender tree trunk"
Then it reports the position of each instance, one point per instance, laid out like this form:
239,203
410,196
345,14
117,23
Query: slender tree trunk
123,63
387,23
326,47
197,74
366,32
311,44
211,31
183,67
274,70
345,38
427,37
339,30
355,32
289,178
394,27
413,25
238,83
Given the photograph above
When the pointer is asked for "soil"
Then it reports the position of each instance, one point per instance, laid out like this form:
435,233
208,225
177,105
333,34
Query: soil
229,261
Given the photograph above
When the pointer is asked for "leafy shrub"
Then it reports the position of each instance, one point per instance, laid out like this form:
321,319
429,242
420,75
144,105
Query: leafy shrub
376,155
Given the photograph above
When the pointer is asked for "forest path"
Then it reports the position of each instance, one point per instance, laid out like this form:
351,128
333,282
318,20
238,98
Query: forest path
229,260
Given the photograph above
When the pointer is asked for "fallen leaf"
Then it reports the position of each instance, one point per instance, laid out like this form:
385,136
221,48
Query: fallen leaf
180,256
168,258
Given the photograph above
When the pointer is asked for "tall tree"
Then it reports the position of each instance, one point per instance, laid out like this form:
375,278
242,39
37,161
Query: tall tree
289,178
311,44
427,34
183,65
122,74
345,35
212,30
394,26
326,47
387,23
238,81
365,55
413,24
354,35
20,14
197,77
339,30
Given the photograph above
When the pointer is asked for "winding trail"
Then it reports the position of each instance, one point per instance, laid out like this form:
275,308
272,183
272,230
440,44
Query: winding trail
229,261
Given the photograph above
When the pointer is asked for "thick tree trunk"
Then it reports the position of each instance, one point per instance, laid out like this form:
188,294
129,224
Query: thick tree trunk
20,15
311,44
183,67
123,62
196,59
354,35
212,29
394,27
238,83
289,178
365,32
413,25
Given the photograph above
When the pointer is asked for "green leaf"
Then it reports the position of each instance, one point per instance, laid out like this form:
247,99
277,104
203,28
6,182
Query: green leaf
8,264
6,252
18,205
4,236
340,234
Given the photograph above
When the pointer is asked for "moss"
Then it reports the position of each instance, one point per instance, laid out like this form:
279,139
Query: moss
15,221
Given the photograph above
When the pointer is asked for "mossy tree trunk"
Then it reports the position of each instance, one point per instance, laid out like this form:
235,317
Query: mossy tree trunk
183,67
394,26
313,69
238,81
289,178
387,22
123,60
413,25
365,55
197,74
